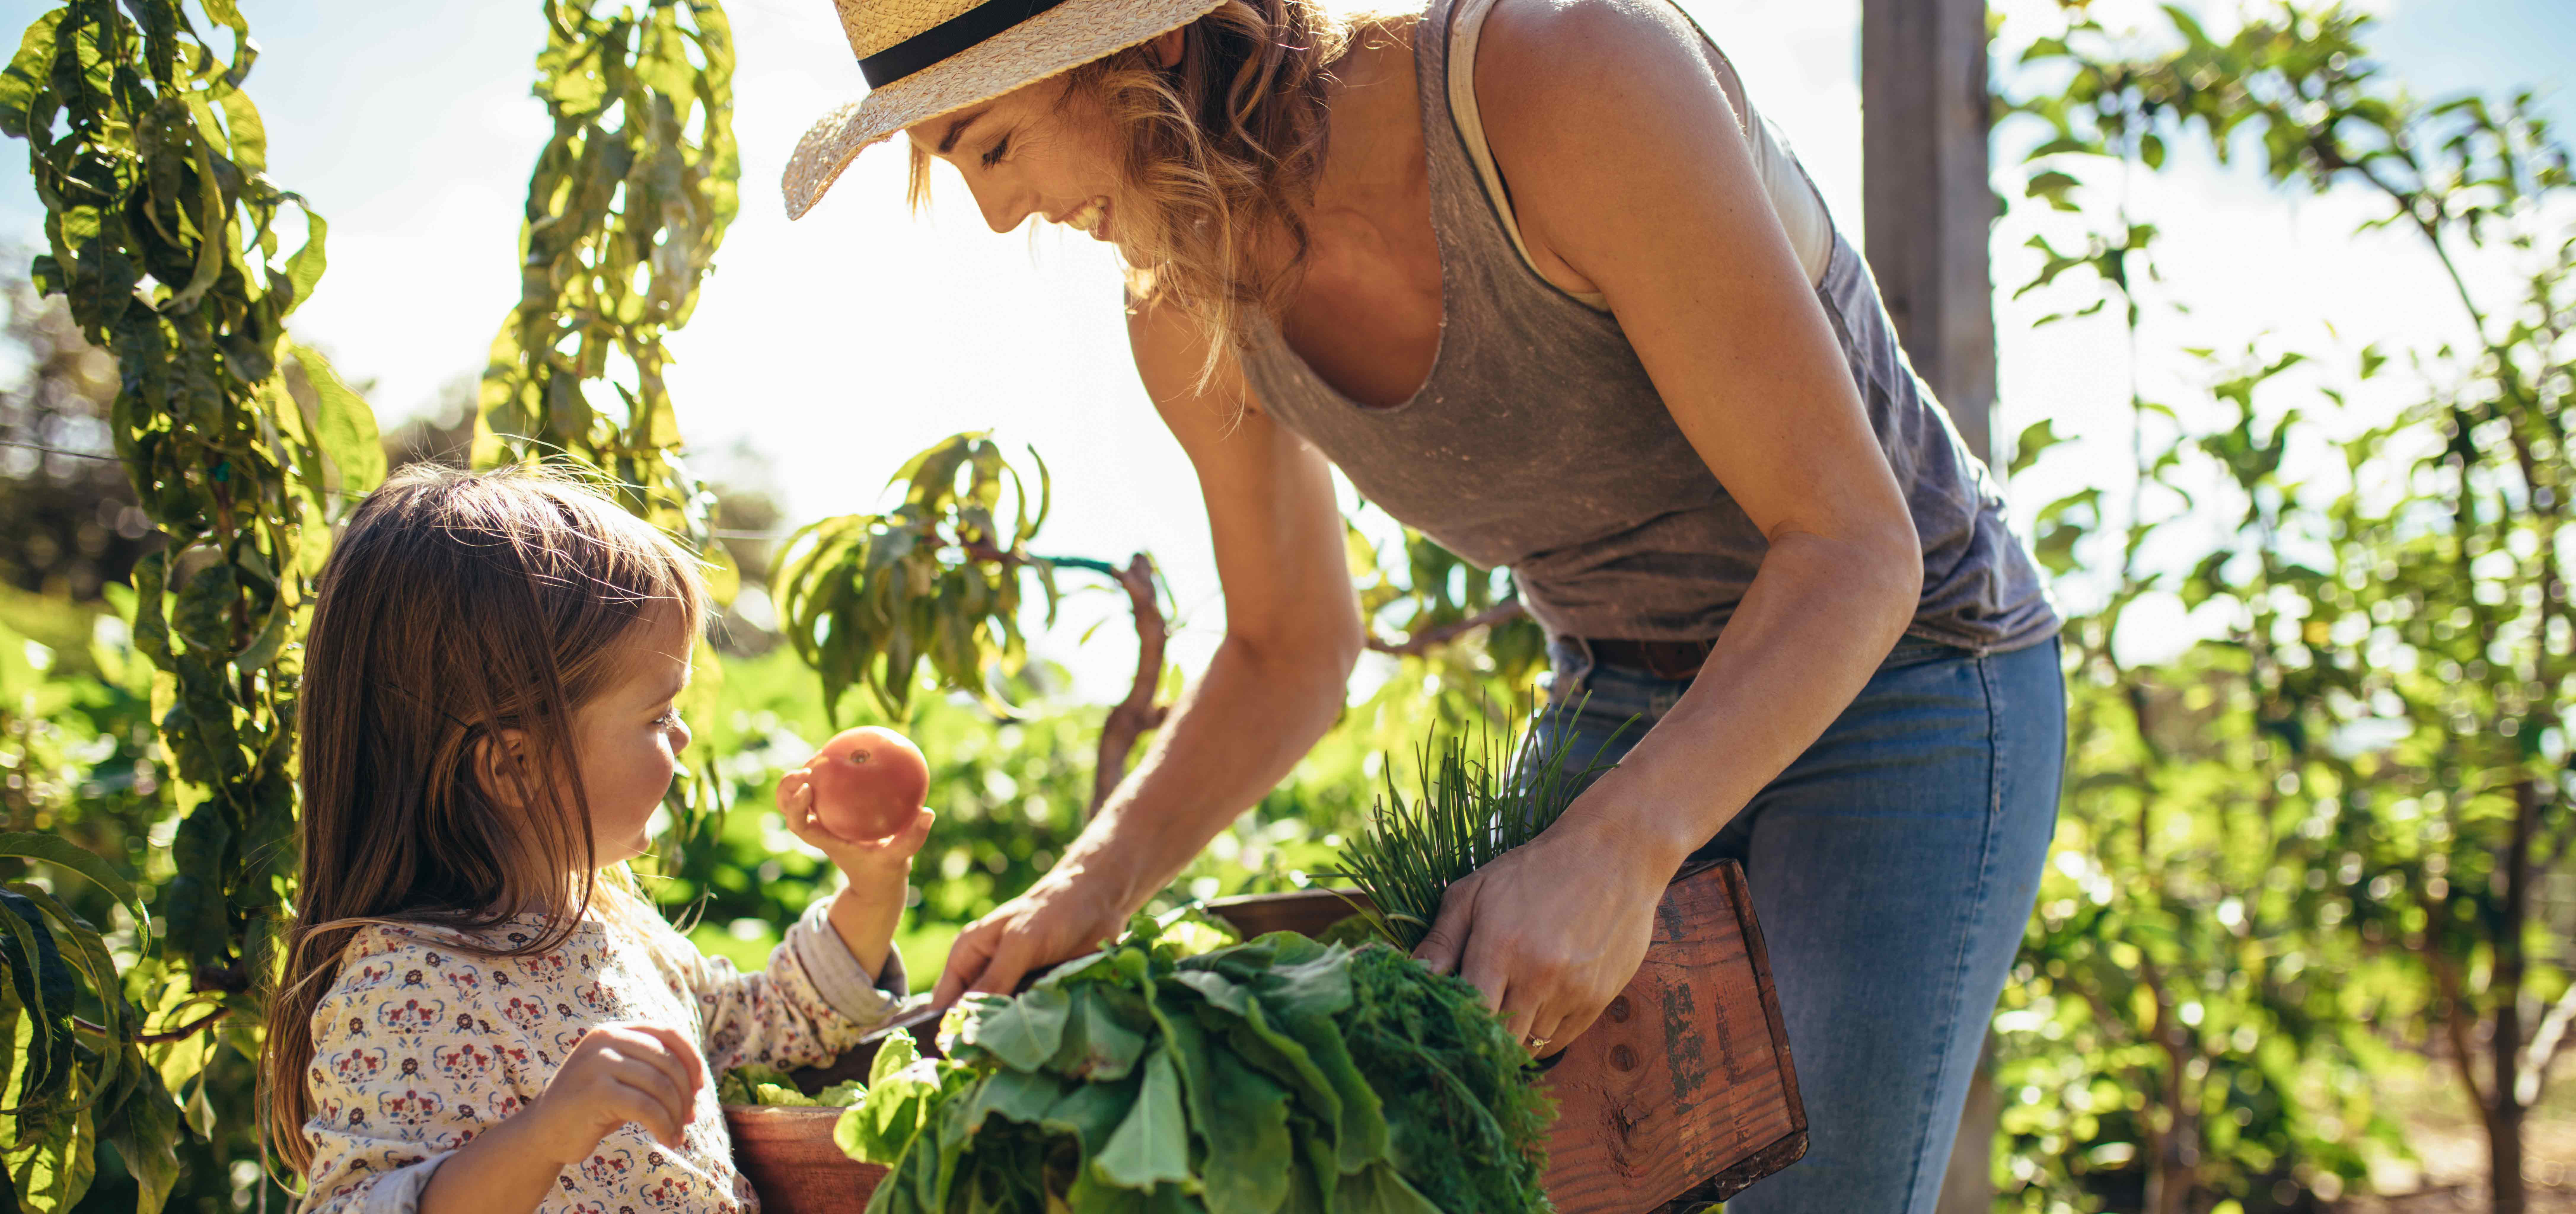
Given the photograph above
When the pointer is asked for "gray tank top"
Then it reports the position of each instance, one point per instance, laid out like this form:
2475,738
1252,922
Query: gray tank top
1539,443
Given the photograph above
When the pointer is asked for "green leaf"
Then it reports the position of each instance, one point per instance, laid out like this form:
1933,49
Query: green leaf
1099,1044
1024,1032
1377,1189
1153,1143
2034,439
143,1126
893,1054
51,1157
344,425
26,78
43,986
64,854
1092,1112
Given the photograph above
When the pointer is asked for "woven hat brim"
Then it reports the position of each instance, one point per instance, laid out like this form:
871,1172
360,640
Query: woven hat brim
1058,40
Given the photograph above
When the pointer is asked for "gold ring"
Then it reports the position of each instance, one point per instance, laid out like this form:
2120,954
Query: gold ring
1537,1043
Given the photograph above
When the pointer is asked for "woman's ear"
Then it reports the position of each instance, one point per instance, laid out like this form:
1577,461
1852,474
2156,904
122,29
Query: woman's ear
501,768
1167,47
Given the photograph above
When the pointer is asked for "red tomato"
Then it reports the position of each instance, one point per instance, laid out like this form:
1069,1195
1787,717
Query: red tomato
869,783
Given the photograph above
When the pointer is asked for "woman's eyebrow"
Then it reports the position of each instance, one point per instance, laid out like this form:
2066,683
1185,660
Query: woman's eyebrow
948,142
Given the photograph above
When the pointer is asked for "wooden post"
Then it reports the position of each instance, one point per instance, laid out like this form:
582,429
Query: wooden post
1925,197
1928,208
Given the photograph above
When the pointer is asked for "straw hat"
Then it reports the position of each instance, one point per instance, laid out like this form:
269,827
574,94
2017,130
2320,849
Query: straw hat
924,58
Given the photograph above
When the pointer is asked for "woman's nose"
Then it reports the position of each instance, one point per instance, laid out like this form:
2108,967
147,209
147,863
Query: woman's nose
1003,206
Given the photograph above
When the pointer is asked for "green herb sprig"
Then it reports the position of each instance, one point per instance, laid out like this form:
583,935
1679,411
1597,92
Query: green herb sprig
1478,795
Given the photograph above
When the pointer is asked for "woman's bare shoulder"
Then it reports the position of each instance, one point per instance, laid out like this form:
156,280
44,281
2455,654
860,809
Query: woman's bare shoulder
1586,103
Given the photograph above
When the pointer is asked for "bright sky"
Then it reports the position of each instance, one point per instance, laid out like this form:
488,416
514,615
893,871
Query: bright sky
838,345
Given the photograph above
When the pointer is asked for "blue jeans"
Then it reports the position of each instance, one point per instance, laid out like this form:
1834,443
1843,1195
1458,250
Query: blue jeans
1893,867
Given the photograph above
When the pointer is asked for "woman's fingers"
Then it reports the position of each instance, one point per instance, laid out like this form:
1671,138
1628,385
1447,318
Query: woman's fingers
1009,964
1561,1034
966,961
1442,947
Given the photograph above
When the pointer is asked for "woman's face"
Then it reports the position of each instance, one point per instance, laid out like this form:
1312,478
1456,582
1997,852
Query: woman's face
1042,150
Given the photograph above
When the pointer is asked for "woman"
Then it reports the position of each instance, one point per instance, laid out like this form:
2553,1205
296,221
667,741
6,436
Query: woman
1533,275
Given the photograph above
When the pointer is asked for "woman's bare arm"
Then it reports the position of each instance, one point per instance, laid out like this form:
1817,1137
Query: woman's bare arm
1292,633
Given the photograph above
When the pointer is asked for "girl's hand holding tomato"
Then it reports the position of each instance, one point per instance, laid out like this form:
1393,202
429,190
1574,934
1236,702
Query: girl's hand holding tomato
861,795
859,799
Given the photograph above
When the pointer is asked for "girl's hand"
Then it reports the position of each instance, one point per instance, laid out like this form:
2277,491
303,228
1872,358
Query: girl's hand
617,1073
864,858
1552,931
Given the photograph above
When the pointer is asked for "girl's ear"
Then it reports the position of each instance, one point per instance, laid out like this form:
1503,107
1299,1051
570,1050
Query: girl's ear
1167,47
501,767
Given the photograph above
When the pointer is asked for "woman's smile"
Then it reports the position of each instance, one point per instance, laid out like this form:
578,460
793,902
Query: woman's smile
1091,217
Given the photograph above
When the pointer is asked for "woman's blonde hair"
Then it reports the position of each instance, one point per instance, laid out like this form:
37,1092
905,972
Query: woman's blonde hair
1221,151
459,624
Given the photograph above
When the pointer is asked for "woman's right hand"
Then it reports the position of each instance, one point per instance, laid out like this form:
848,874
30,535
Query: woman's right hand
617,1073
1066,914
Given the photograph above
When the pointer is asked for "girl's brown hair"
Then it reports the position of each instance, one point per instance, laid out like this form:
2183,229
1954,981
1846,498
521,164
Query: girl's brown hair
460,622
1221,150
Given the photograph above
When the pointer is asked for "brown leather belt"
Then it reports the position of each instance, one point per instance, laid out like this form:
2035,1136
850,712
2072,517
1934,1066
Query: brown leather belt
1662,659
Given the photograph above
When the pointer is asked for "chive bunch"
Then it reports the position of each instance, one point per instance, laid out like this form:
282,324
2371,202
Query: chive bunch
1477,795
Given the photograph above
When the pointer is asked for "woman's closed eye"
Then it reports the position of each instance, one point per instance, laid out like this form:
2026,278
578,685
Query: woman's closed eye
993,154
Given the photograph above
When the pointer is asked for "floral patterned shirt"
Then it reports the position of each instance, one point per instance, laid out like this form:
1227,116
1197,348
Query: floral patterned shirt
419,1046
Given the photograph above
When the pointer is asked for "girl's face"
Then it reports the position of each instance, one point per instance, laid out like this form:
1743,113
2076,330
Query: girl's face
1040,150
628,740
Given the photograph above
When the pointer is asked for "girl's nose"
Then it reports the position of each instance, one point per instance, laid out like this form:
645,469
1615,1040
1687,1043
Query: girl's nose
680,735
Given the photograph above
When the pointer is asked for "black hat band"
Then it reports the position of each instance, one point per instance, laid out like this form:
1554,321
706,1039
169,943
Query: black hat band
947,38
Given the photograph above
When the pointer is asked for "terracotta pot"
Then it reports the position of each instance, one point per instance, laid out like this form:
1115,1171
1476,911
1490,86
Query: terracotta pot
1682,1094
788,1156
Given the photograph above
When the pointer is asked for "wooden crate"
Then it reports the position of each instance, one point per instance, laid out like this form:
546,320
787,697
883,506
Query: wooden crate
1681,1094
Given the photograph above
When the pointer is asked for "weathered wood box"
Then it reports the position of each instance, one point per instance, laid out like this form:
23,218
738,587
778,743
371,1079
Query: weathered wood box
1682,1094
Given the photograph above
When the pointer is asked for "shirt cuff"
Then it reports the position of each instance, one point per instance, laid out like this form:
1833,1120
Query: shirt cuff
836,973
399,1191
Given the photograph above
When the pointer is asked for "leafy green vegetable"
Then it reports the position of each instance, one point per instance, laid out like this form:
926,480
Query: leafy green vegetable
1279,1075
756,1084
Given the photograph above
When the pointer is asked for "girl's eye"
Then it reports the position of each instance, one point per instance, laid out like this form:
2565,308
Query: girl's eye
993,156
670,718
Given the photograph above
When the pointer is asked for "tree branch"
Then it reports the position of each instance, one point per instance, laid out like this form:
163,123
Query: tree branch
2460,1012
1138,712
1430,639
2545,1045
181,1033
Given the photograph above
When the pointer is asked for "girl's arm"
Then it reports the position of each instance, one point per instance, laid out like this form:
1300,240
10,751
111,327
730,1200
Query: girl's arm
1292,633
836,976
1631,176
813,1002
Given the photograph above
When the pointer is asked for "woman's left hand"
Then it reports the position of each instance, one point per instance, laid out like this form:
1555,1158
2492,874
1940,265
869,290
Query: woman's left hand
1555,929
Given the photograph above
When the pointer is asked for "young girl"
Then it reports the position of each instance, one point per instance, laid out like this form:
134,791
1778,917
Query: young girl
480,1015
